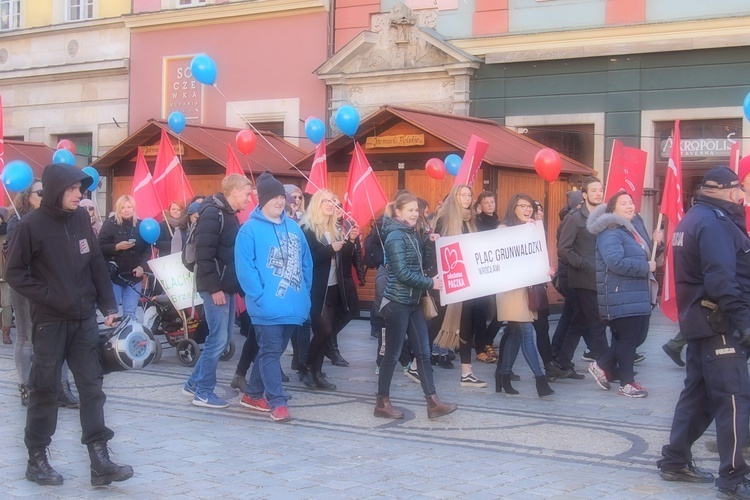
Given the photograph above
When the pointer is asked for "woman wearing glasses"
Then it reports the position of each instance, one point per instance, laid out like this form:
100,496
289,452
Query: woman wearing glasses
96,221
25,202
296,205
513,307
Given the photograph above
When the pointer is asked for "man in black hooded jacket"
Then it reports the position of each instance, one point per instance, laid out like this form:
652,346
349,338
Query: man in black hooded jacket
54,260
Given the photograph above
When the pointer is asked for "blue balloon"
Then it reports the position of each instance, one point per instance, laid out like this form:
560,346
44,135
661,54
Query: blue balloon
347,120
176,122
746,106
17,175
452,164
91,172
149,230
204,69
63,156
315,129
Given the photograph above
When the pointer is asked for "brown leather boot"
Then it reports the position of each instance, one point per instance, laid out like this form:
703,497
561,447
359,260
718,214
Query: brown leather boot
436,408
6,335
384,409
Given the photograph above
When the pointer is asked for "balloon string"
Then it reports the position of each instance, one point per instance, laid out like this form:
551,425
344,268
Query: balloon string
15,210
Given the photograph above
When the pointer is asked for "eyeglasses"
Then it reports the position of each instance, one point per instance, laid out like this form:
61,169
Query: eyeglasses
38,192
327,201
296,197
524,207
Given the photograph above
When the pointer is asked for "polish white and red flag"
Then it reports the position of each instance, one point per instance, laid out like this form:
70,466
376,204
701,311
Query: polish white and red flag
3,199
627,171
319,171
364,196
673,209
143,192
234,167
169,179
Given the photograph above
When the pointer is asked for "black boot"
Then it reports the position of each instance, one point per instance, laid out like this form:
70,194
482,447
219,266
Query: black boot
306,376
65,397
445,362
322,383
295,361
40,471
555,371
103,470
24,389
505,384
333,352
542,387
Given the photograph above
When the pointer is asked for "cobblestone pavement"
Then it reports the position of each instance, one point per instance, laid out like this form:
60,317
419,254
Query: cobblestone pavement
582,442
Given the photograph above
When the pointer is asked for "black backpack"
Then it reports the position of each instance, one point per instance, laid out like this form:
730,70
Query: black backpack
188,246
373,248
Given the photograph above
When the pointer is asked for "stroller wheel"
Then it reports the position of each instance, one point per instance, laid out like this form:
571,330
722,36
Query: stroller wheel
159,350
228,352
188,352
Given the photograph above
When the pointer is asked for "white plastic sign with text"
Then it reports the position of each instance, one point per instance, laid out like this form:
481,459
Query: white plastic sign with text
478,264
176,280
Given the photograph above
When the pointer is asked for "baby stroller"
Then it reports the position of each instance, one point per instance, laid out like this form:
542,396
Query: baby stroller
128,346
184,330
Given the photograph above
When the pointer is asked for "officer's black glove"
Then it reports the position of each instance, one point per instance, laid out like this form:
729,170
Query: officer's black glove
744,338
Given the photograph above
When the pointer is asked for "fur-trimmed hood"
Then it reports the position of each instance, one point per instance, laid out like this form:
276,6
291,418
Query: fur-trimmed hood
599,220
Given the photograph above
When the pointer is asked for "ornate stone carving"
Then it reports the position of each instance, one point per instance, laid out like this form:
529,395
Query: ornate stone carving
73,48
3,56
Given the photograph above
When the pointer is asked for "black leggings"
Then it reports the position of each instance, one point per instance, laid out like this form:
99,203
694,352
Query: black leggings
324,325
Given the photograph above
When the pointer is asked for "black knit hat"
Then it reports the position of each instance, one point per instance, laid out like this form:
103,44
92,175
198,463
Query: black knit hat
268,188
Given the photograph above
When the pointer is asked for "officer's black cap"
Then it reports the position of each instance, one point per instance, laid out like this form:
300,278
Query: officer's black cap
720,178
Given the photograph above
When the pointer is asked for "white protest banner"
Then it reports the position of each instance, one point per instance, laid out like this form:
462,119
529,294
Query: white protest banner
176,280
478,264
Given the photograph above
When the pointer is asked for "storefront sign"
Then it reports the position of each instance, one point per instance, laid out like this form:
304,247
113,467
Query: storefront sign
176,281
153,149
699,148
479,264
182,92
394,141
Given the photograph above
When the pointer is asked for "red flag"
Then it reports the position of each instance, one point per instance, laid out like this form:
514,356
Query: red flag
169,179
364,197
673,209
144,192
3,199
319,171
475,151
234,167
627,170
734,157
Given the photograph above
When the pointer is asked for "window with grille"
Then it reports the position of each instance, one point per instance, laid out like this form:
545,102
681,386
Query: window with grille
10,14
80,10
188,3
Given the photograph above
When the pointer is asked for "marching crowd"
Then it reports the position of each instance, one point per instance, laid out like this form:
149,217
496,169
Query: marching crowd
291,269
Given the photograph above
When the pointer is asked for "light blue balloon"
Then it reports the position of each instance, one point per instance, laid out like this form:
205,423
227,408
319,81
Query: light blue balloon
315,129
746,106
176,122
17,175
204,69
452,164
347,120
63,156
149,230
91,172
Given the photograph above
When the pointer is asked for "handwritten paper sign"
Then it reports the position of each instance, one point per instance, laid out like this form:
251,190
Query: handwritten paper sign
176,281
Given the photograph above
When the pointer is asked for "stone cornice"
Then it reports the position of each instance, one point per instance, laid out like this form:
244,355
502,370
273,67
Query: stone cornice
56,29
222,13
609,41
66,71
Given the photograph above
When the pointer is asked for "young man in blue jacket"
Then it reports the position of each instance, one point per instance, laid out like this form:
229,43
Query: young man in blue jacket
274,268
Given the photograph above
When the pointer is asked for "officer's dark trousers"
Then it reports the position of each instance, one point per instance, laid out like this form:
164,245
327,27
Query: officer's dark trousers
585,318
717,385
76,342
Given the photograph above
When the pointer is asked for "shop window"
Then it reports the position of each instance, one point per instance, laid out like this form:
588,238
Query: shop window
80,10
84,146
10,14
573,141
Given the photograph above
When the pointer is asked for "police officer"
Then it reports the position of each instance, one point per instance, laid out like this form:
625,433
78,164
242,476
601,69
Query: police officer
54,261
712,279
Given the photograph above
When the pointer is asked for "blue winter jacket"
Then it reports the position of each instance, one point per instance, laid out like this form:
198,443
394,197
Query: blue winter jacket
622,274
274,268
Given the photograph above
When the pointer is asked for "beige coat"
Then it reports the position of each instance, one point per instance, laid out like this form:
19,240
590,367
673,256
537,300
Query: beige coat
514,306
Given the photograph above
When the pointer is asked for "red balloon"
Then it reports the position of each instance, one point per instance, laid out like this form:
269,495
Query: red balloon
246,141
548,164
435,168
67,144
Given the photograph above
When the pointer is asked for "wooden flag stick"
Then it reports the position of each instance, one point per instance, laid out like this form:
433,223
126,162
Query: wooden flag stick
658,228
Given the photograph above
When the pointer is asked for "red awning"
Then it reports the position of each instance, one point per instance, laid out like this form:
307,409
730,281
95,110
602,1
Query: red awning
36,154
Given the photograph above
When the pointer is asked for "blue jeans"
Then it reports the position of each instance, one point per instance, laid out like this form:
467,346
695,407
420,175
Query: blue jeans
129,297
265,377
402,321
521,335
220,321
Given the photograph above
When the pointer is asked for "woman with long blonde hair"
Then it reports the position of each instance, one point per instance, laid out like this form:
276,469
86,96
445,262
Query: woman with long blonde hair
453,326
327,243
121,243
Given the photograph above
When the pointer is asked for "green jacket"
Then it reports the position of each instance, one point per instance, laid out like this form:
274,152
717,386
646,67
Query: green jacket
403,258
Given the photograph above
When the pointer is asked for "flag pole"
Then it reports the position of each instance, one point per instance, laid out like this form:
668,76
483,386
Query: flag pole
658,228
